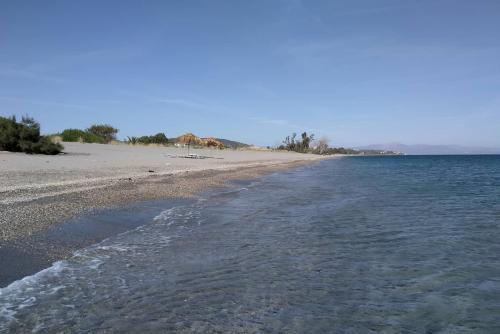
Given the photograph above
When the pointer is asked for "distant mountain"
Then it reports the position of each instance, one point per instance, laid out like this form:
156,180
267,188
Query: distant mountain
431,149
232,144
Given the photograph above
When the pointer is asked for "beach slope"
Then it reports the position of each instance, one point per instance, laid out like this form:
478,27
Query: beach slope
38,191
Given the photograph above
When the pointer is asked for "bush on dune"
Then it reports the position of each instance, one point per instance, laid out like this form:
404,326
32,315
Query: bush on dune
97,133
159,138
25,137
9,134
105,131
46,146
77,135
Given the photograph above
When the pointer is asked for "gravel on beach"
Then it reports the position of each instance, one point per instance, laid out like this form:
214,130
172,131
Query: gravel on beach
37,192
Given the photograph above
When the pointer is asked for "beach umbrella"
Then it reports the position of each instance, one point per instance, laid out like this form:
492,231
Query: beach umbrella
189,138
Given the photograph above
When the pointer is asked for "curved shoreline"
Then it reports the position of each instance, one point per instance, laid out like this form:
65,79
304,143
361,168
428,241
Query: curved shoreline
39,231
37,192
25,212
51,206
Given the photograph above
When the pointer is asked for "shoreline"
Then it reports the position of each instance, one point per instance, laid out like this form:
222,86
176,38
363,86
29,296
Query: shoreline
28,255
26,214
58,220
37,192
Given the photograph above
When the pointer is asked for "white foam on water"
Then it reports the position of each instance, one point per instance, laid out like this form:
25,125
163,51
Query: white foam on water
114,248
23,293
27,281
95,263
11,296
164,215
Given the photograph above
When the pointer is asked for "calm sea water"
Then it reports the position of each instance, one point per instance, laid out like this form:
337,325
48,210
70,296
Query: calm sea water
351,245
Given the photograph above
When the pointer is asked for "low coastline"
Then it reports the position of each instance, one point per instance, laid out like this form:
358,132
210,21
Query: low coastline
37,220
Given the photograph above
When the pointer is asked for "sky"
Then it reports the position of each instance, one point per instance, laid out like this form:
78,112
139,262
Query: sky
357,72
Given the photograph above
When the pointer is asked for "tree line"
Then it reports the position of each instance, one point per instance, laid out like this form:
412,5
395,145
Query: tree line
159,138
97,133
307,144
292,143
24,136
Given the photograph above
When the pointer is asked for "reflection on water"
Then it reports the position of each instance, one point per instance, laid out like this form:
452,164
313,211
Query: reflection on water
354,245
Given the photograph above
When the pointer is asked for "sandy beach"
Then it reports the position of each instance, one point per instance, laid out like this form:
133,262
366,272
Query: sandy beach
38,191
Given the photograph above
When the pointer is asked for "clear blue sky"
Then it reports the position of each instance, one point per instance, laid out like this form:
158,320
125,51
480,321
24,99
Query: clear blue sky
359,72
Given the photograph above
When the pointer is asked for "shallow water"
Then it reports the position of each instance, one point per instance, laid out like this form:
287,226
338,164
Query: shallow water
27,256
353,245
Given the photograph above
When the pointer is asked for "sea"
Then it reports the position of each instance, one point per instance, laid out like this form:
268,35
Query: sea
400,244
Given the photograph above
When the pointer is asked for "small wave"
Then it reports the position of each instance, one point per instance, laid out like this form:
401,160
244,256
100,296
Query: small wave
11,296
55,269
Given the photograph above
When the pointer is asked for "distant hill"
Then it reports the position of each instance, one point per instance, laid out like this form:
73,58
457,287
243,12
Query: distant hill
232,144
431,149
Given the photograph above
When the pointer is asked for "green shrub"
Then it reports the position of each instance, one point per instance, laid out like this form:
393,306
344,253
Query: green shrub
132,140
25,137
45,146
159,138
105,131
144,140
77,135
9,134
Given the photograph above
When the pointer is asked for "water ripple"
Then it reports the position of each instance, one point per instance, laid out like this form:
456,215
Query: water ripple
356,245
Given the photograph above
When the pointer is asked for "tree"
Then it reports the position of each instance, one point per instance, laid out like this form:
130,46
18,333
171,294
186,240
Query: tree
159,138
291,144
106,131
322,147
306,141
